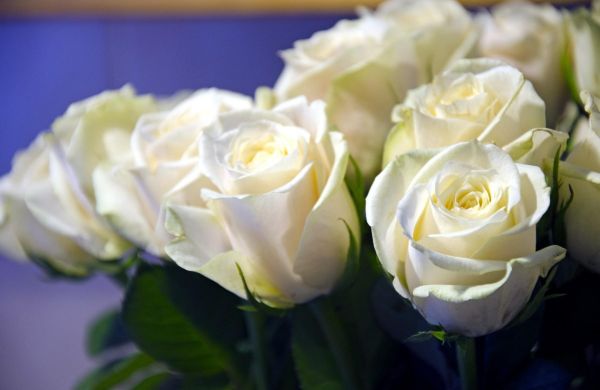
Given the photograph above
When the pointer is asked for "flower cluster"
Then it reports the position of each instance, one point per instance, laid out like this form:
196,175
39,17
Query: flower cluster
479,137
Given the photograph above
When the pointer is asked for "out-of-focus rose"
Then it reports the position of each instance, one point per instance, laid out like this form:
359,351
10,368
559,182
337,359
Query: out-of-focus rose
481,99
164,168
277,208
531,38
456,229
583,44
48,199
581,171
363,67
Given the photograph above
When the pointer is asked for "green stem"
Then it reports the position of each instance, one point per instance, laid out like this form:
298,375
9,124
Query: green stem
255,322
466,357
336,340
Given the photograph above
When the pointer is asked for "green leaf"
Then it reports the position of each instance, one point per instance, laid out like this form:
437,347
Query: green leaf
437,333
546,229
560,230
315,366
153,382
566,63
195,382
115,373
371,347
352,263
184,320
356,185
534,303
106,332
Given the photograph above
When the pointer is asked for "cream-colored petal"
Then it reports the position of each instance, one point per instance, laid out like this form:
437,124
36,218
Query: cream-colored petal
308,116
476,155
60,203
9,242
324,244
400,140
223,269
519,240
536,145
524,111
314,63
531,38
583,32
198,236
123,204
248,220
387,190
582,220
476,310
99,129
361,99
42,243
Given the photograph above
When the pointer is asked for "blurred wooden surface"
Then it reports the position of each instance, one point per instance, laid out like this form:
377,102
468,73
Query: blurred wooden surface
162,7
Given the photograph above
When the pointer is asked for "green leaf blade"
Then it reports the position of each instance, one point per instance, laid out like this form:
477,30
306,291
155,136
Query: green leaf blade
184,320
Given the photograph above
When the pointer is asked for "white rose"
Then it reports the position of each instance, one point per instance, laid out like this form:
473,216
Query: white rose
581,171
481,99
456,230
49,205
583,34
531,38
22,235
363,67
278,209
164,147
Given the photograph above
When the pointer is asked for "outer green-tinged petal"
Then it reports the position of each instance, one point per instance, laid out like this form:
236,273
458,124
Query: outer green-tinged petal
581,173
401,139
583,214
584,44
475,310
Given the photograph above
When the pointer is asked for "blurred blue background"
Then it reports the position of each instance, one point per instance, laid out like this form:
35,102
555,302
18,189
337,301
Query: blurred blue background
45,64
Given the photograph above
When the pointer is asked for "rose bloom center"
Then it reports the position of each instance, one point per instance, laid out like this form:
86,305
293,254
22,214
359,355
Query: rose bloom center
260,152
474,195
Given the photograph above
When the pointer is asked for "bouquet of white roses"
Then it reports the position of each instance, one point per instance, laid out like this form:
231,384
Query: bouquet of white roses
396,211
